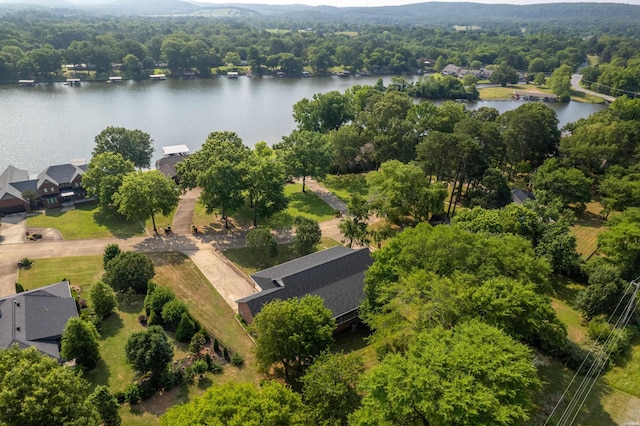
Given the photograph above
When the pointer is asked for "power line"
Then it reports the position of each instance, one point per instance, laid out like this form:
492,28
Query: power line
597,366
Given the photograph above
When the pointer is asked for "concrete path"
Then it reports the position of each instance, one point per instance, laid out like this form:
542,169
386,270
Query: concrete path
13,228
183,217
575,85
328,197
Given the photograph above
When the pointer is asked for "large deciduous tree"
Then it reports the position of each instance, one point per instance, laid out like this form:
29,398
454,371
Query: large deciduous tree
129,270
134,145
330,388
143,195
107,406
104,176
80,342
621,242
569,185
273,404
29,379
264,180
402,193
504,74
149,351
325,112
471,374
290,334
304,153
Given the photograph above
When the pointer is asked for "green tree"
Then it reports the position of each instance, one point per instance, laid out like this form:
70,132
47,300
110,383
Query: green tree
354,226
401,192
560,82
186,328
621,242
129,270
264,179
102,299
133,145
80,342
232,58
156,298
149,351
223,187
471,374
143,195
325,112
308,234
303,154
172,312
107,405
28,378
290,334
504,74
569,185
330,388
605,292
104,176
241,404
110,251
262,244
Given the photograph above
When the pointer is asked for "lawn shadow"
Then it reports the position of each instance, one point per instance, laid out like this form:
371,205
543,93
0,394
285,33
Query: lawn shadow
160,402
166,243
355,184
204,383
309,203
130,303
589,219
99,375
117,225
169,258
564,289
351,339
281,220
111,325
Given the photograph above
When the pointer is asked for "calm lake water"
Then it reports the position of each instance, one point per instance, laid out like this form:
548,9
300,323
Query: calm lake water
53,124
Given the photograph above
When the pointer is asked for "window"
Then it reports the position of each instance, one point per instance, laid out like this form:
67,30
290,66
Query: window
46,190
51,200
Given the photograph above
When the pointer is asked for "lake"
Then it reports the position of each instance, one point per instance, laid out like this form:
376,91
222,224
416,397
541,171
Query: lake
53,124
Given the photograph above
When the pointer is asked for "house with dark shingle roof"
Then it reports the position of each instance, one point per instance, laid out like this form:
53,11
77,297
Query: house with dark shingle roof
335,274
37,318
13,183
61,183
519,196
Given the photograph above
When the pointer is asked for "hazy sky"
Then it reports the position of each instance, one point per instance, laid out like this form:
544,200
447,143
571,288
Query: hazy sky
345,3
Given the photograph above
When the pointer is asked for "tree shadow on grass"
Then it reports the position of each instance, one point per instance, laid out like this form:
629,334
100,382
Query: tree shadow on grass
204,383
160,402
115,223
99,375
130,303
564,289
351,183
309,203
166,243
169,258
111,325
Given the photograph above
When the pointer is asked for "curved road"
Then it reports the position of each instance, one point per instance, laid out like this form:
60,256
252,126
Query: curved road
575,85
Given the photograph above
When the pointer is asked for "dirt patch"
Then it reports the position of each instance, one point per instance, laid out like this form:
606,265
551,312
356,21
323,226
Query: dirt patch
48,234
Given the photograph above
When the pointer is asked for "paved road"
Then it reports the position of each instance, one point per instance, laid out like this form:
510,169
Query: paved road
575,85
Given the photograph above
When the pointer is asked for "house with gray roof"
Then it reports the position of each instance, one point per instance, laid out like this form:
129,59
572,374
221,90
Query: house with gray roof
335,274
37,318
519,196
61,183
13,183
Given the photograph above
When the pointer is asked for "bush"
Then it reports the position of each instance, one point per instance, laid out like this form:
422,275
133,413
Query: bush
102,299
25,262
172,313
197,342
129,270
110,252
132,394
216,345
186,328
215,367
200,367
156,298
225,354
237,360
19,288
154,319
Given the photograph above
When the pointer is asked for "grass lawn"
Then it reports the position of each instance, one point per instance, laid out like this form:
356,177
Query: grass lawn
495,93
344,186
86,221
305,204
563,297
173,270
626,375
587,228
249,263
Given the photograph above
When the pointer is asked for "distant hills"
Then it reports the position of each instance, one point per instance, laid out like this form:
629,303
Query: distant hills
587,15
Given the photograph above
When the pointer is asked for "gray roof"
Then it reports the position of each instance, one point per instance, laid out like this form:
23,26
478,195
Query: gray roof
167,165
62,173
13,182
37,317
335,274
519,196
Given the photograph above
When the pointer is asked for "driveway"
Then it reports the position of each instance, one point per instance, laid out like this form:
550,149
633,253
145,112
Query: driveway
13,228
575,85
